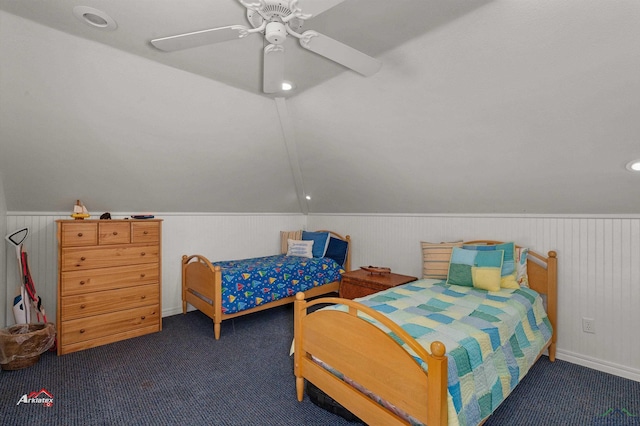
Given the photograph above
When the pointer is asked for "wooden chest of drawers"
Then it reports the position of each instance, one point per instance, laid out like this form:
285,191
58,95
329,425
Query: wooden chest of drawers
109,281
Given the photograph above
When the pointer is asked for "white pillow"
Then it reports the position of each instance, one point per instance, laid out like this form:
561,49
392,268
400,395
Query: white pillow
522,276
300,248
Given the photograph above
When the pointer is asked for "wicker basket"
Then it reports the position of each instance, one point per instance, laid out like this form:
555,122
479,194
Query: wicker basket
20,363
22,344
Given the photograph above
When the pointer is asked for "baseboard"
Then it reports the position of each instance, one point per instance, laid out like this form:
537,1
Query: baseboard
171,311
600,365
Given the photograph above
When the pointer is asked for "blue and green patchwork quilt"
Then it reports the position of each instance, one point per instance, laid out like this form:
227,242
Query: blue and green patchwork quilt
248,283
492,338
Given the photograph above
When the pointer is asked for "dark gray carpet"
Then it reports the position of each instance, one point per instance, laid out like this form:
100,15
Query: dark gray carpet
182,376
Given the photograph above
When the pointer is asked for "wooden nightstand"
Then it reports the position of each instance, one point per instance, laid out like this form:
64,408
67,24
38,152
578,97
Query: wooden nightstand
361,283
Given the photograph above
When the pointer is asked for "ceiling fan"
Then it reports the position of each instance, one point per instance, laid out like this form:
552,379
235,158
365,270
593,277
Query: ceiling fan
275,20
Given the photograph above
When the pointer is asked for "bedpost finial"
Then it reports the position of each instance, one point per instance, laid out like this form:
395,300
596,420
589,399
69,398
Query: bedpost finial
299,295
438,349
552,253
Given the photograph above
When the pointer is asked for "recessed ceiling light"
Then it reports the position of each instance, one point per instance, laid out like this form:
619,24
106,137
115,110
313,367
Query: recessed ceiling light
634,166
287,85
308,197
94,17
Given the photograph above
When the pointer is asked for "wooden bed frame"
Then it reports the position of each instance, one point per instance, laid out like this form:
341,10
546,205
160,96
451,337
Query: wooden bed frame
202,287
368,356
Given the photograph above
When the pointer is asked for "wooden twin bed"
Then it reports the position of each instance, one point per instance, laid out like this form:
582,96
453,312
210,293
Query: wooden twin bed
202,287
371,358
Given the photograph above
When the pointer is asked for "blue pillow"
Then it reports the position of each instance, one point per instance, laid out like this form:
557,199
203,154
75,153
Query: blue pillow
320,242
337,250
508,272
475,268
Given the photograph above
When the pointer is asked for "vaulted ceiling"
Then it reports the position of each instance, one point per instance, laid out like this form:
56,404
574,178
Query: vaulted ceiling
508,106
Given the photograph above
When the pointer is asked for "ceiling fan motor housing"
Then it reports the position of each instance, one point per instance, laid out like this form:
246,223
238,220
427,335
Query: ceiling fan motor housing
277,13
275,33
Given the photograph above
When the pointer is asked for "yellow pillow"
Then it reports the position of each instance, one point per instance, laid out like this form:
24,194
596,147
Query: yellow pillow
486,278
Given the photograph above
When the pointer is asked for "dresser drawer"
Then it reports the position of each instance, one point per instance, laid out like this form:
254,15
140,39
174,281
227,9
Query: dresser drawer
91,280
79,234
81,329
102,302
108,256
114,233
145,232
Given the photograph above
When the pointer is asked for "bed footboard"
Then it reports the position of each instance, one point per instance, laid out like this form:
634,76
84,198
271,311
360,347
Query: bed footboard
368,356
202,288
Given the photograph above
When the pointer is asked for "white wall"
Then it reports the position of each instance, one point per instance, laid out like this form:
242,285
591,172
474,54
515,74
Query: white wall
598,267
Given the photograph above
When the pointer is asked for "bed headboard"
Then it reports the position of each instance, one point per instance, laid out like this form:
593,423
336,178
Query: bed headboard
542,271
297,235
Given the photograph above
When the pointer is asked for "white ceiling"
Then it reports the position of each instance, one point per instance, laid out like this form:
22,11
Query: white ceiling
368,25
508,106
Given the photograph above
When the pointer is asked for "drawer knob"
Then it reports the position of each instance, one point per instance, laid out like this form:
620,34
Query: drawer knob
145,232
143,318
143,275
142,254
82,306
81,330
143,297
83,258
115,232
81,282
79,234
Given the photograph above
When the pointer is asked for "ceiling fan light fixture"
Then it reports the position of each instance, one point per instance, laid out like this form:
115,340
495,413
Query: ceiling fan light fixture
287,86
275,33
94,17
634,166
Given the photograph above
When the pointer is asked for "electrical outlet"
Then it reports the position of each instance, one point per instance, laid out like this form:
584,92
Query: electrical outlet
588,325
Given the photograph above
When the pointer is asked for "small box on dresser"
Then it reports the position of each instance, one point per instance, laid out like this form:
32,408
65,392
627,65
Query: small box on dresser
109,281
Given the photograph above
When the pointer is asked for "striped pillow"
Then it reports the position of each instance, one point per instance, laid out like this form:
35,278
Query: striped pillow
285,236
435,259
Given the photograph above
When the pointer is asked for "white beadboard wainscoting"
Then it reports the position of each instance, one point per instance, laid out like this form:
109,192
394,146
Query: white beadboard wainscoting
598,262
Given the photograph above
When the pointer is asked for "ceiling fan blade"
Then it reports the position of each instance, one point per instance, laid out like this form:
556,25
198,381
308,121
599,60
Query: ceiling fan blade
316,7
273,68
340,53
199,38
